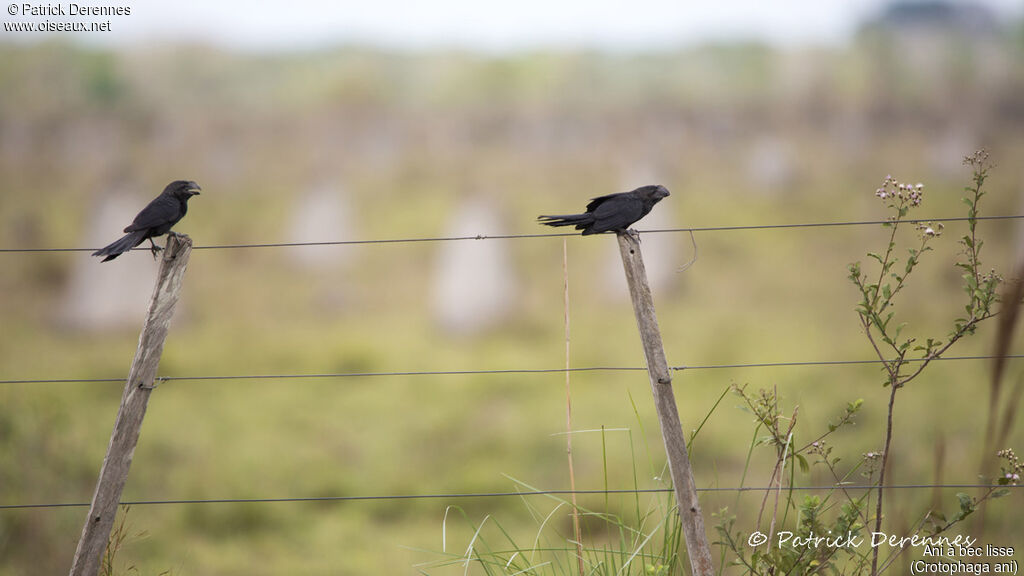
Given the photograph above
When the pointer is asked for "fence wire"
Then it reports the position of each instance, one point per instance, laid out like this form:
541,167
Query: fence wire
464,495
329,375
538,235
390,497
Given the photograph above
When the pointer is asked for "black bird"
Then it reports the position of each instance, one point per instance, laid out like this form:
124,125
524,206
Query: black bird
156,219
611,213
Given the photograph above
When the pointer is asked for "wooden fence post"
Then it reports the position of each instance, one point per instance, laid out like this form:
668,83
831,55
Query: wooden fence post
665,402
114,472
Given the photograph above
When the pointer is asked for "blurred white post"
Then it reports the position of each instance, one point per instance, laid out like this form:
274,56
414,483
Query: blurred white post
114,472
665,402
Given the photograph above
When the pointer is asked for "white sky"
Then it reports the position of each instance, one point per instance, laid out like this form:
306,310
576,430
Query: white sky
410,24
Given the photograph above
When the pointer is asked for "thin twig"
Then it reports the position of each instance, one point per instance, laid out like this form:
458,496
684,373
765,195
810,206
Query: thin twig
568,411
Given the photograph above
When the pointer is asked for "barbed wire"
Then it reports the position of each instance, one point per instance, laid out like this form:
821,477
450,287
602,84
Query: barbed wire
537,235
162,379
463,495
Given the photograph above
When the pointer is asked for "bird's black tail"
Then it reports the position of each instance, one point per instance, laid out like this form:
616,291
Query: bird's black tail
580,221
118,247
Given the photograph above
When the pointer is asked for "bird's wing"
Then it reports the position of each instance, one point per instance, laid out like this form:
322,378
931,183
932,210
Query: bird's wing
163,209
595,202
618,213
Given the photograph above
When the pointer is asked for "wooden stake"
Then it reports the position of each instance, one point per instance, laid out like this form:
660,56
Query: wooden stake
665,402
114,472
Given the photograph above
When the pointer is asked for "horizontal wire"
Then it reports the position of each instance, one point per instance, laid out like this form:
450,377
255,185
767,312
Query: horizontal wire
832,224
498,495
510,371
333,375
837,362
162,379
539,235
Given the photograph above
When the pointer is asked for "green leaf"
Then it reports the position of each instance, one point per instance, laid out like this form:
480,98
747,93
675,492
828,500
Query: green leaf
804,467
966,502
899,329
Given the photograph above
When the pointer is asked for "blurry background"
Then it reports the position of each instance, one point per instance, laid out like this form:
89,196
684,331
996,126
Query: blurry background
308,121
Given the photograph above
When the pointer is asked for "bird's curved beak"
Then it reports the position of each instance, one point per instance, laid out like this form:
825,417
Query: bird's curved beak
193,188
662,192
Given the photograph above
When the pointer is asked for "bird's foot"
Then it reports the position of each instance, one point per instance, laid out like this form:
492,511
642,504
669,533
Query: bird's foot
154,249
634,234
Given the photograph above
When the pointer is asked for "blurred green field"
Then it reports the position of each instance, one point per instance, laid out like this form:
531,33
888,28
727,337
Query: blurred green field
409,138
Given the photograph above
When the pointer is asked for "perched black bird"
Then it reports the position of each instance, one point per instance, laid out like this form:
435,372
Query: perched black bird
156,219
611,213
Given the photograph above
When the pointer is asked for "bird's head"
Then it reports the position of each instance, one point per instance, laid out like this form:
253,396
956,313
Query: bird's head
654,192
183,189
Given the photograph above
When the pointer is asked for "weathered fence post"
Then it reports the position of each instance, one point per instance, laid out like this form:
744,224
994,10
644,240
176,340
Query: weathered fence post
114,472
665,402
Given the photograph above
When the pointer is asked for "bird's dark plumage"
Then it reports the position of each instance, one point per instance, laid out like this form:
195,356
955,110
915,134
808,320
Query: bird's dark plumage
155,219
611,213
